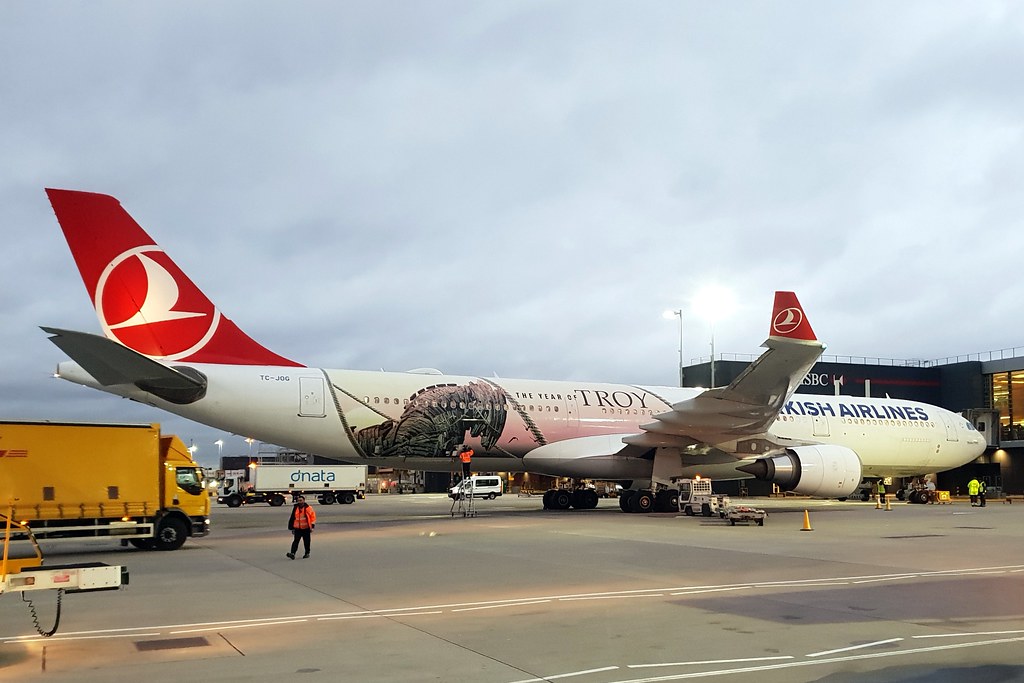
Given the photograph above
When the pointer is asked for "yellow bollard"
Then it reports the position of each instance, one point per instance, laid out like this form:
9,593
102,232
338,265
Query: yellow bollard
807,522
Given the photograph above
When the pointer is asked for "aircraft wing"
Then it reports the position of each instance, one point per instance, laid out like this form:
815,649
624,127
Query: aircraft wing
110,363
751,403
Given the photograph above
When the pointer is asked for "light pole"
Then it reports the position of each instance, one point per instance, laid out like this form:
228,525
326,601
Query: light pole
713,302
678,313
220,449
712,354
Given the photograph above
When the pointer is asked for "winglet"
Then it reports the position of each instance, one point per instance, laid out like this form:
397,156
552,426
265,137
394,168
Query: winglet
789,320
142,298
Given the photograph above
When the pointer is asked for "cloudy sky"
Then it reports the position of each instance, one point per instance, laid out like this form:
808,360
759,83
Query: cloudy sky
521,188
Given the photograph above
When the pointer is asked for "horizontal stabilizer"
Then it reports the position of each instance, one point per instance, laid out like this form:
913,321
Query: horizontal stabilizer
110,363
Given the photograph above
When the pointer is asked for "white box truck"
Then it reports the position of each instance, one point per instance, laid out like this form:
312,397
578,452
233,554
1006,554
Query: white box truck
329,483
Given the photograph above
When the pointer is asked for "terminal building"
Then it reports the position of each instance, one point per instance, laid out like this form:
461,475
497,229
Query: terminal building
986,388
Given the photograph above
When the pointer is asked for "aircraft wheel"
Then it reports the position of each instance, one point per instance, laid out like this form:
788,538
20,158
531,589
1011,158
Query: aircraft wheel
624,498
584,499
642,501
547,499
666,500
561,500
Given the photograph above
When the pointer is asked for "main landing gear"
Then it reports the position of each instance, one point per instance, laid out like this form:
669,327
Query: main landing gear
581,498
645,500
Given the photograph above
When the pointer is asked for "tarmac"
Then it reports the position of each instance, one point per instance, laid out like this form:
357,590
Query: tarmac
398,589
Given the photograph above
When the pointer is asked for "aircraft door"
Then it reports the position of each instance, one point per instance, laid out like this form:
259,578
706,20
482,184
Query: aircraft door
311,397
947,420
572,414
821,425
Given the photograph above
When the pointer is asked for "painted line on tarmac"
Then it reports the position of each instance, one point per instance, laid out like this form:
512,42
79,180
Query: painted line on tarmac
280,622
680,591
723,589
567,675
66,638
509,604
854,647
711,661
374,615
784,665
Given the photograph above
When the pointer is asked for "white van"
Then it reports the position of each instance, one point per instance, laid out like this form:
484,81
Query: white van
483,486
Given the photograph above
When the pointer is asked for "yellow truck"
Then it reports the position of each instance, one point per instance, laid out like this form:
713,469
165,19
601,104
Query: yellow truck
79,481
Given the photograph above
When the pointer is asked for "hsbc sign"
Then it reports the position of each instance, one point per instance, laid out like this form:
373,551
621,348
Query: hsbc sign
821,379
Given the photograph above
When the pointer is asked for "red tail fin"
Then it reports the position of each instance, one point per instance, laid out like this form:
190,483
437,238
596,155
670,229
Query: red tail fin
788,319
142,298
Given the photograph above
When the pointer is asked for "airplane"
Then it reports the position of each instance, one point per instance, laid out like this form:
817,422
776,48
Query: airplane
167,345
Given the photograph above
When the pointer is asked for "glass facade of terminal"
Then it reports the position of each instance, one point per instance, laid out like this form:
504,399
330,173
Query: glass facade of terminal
1008,398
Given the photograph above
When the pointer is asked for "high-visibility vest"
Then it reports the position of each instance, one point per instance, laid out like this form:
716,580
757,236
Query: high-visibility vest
466,456
303,518
973,486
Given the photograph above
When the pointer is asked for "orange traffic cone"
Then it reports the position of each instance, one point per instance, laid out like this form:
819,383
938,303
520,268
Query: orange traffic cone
878,502
807,522
888,505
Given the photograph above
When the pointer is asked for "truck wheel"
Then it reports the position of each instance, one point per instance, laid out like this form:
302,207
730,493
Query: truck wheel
328,498
688,511
705,509
171,534
142,543
347,498
491,496
234,501
276,500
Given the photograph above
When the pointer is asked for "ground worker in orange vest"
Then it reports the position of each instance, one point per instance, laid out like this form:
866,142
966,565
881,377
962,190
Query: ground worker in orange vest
301,523
466,456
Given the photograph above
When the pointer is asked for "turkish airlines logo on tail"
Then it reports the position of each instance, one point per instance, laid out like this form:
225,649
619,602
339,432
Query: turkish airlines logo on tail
787,320
145,302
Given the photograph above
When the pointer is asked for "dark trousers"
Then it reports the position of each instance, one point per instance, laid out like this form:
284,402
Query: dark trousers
465,469
303,534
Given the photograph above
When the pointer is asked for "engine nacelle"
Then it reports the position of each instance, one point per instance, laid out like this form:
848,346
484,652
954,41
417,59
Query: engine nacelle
825,471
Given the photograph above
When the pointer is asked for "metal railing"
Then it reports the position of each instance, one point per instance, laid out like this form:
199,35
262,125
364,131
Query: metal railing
1000,354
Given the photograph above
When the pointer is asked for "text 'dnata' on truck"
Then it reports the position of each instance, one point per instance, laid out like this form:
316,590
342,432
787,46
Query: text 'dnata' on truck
126,482
271,483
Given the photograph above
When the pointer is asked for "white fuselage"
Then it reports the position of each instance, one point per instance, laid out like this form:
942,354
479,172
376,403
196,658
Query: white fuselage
415,419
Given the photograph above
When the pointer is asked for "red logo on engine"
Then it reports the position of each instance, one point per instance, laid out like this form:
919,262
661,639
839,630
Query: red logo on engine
788,320
145,302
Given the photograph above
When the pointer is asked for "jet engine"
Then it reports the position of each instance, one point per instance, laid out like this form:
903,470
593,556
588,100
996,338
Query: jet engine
825,470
